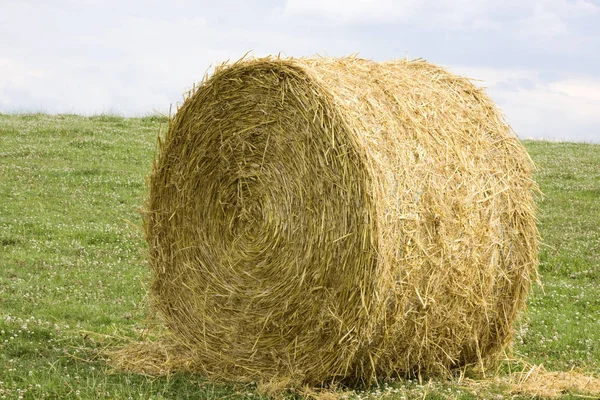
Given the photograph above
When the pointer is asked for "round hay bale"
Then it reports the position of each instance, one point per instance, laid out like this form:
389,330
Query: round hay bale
318,219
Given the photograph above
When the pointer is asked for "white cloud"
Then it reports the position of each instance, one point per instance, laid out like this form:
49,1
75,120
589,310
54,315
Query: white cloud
14,75
17,73
90,60
492,77
543,112
544,22
541,17
353,11
585,89
565,108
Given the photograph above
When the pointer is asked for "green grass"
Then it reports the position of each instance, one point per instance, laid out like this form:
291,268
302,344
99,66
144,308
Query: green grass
73,278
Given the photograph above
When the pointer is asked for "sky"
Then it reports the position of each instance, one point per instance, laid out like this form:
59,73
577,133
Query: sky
539,60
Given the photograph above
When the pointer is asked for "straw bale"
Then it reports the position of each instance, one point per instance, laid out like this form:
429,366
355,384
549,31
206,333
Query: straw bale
328,219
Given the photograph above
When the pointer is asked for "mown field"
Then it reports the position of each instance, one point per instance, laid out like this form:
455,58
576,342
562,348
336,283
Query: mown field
73,278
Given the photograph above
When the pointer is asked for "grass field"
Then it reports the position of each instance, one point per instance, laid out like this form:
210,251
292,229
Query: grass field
73,278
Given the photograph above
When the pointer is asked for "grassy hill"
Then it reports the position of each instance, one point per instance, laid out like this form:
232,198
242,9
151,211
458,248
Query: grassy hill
73,279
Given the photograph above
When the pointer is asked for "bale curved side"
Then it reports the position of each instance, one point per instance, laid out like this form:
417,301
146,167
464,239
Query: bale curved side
453,193
321,219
